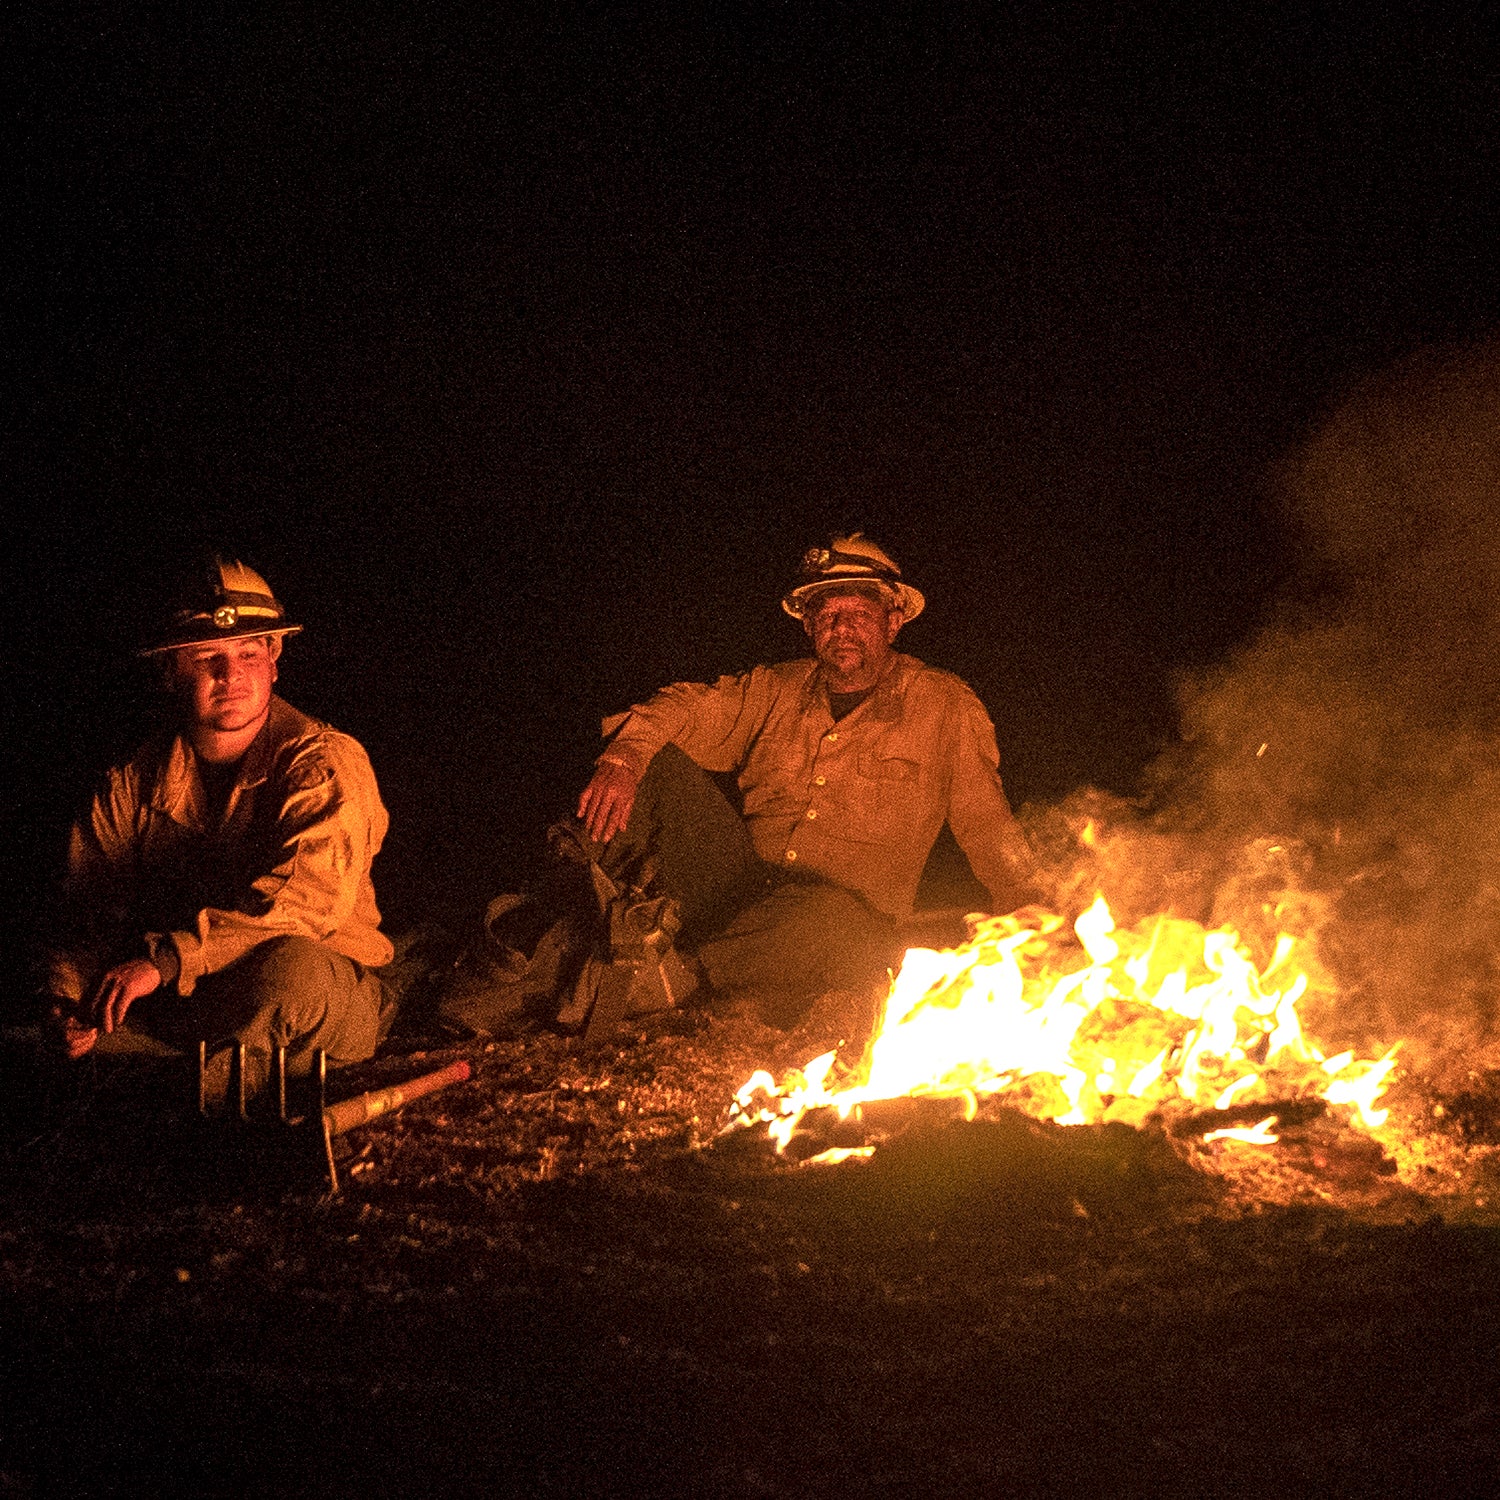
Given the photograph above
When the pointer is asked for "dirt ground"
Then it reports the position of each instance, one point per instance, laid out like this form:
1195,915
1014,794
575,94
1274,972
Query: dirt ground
557,1280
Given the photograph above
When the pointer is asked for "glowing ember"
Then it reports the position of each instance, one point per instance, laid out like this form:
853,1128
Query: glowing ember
1252,1135
1164,1016
835,1154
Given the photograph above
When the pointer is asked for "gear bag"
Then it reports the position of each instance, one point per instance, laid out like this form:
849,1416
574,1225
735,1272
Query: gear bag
584,955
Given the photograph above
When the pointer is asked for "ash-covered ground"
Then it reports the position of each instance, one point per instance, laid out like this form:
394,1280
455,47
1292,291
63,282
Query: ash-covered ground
557,1279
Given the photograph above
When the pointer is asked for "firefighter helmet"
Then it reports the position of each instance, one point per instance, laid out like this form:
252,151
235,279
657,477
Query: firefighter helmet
222,601
847,560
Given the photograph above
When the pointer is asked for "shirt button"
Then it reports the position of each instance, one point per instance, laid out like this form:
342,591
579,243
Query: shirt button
820,780
791,856
812,812
832,734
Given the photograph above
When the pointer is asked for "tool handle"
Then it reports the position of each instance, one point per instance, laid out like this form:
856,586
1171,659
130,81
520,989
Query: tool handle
364,1107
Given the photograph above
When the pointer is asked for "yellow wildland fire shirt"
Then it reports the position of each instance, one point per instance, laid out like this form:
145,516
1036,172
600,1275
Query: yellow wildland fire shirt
288,854
858,801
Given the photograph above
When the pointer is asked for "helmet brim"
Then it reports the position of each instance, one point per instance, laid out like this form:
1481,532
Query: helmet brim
209,634
903,596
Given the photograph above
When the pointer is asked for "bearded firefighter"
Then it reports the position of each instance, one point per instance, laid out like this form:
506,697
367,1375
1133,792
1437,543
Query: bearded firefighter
847,765
219,887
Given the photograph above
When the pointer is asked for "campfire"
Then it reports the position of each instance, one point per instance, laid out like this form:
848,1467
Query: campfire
1164,1022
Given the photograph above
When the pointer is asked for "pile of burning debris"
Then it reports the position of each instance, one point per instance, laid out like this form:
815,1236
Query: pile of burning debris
1164,1025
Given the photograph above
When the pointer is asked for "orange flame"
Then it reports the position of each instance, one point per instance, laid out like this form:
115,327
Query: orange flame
1165,1015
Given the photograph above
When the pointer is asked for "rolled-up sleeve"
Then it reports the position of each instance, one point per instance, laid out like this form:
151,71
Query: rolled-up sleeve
330,824
712,723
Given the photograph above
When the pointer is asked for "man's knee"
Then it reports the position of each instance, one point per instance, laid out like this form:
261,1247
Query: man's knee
683,827
676,795
295,974
670,769
298,993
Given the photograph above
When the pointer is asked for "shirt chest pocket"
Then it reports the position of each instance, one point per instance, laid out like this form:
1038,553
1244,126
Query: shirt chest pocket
884,795
889,771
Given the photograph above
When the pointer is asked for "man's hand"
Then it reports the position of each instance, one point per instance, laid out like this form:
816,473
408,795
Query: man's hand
606,802
65,1021
120,988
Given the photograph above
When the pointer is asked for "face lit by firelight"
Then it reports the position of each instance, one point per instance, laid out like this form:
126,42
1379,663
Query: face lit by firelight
852,635
225,686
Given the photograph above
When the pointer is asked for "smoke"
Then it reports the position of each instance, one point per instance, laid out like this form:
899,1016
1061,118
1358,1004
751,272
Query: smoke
1342,774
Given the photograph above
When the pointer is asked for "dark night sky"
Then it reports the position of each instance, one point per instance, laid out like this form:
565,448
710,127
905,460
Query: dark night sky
526,352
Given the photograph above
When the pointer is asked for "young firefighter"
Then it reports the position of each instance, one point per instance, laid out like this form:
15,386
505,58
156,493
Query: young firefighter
219,887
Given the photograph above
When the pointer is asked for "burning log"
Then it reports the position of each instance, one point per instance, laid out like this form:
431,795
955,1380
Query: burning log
1290,1113
825,1129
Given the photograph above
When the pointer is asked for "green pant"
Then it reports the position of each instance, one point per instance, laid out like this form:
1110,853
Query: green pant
756,930
288,990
